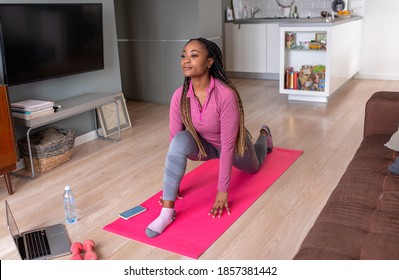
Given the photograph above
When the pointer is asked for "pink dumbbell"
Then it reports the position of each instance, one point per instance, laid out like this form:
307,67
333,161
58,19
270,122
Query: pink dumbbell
88,246
76,249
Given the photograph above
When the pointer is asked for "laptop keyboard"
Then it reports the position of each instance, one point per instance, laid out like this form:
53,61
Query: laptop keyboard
37,243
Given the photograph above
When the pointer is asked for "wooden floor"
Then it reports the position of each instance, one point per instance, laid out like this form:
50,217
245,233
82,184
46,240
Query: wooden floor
110,177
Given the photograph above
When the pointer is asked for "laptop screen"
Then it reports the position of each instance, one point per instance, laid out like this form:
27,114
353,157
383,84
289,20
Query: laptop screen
11,222
15,234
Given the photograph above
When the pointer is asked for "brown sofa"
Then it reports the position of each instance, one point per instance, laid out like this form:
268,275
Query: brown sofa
361,217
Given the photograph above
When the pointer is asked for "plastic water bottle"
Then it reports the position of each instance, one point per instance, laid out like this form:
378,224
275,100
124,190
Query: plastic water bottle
69,206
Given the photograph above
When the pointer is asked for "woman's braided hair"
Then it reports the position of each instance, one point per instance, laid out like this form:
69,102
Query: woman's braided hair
217,71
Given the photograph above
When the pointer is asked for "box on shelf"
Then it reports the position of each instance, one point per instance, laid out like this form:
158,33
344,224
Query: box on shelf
50,148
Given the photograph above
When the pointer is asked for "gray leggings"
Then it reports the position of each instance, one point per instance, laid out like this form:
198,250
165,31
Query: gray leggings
183,147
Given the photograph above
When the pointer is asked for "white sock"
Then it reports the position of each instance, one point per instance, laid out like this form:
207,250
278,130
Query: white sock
164,219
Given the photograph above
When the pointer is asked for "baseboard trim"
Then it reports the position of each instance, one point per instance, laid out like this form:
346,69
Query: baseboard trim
84,138
375,76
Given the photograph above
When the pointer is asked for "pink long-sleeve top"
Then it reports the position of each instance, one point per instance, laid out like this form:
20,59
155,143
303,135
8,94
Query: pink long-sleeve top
217,121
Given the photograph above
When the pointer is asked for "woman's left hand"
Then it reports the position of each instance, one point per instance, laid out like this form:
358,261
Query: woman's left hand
221,202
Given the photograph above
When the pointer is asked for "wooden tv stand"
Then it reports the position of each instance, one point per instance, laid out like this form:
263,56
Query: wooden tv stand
71,107
8,154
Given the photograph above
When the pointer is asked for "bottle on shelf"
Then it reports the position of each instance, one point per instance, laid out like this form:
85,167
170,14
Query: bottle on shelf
295,14
245,13
69,206
229,13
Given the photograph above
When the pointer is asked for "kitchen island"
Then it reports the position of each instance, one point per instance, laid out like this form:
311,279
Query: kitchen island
321,58
264,53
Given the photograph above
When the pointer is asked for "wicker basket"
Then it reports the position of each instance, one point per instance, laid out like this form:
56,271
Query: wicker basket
50,147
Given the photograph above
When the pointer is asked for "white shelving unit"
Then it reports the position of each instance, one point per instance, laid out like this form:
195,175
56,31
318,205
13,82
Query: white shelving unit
340,58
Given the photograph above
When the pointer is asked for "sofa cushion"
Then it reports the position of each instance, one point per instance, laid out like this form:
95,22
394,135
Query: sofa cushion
380,247
361,217
382,114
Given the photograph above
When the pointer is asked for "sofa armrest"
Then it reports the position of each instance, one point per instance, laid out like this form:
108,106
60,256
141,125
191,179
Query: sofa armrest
382,113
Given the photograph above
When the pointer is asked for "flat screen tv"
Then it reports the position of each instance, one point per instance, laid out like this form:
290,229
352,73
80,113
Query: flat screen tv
44,41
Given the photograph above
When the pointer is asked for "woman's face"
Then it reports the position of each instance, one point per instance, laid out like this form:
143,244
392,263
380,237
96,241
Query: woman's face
194,60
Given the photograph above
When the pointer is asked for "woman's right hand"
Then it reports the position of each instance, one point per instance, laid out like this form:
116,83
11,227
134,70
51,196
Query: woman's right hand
221,202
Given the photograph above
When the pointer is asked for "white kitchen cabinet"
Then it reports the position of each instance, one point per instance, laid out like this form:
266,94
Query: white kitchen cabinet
273,48
340,58
245,46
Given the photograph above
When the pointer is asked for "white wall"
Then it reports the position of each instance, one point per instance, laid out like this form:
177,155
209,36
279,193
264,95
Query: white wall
379,56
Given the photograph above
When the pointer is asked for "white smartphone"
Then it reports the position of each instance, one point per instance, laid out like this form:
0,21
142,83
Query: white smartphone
132,212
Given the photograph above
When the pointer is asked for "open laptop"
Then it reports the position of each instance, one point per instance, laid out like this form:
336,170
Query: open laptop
39,244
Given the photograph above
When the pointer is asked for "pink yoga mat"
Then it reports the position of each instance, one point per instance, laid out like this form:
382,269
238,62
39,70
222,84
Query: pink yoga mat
194,231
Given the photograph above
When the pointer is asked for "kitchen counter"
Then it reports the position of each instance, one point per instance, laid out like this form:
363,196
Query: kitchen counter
316,21
255,49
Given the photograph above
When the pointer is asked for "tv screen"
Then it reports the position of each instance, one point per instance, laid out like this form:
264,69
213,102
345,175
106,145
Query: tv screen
43,41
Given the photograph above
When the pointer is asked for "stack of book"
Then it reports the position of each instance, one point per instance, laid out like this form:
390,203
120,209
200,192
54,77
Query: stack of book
30,109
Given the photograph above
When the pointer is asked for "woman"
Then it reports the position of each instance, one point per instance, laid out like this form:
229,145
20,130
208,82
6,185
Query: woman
206,122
